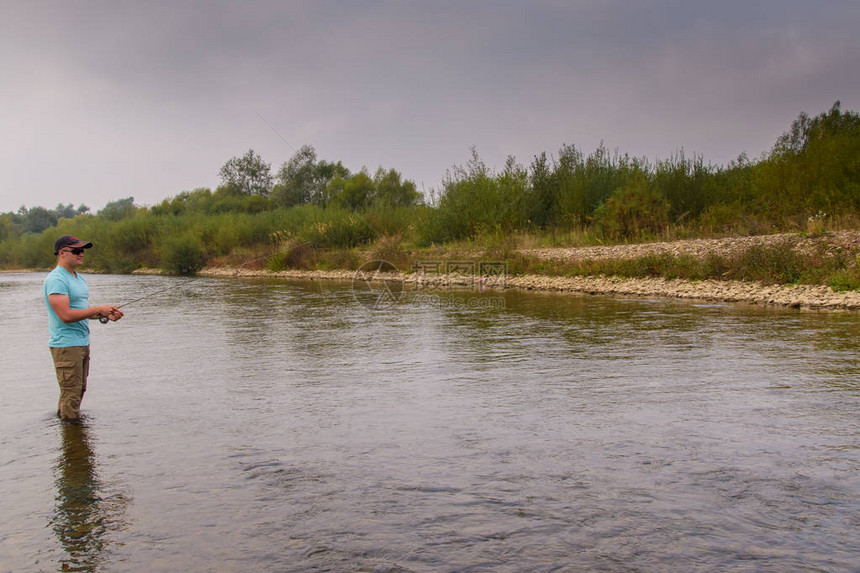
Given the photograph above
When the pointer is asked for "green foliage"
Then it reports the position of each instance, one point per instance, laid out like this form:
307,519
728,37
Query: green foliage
293,255
339,228
585,185
360,192
543,193
683,183
119,209
183,255
37,219
390,190
338,259
806,131
779,264
845,279
36,251
248,175
403,221
810,182
474,201
69,211
633,210
813,167
199,200
9,226
355,193
390,249
773,264
303,179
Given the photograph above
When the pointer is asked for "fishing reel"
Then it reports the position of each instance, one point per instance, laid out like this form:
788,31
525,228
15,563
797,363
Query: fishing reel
103,319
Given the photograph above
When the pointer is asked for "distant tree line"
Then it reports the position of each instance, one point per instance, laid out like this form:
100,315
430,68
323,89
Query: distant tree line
812,174
37,219
247,184
812,171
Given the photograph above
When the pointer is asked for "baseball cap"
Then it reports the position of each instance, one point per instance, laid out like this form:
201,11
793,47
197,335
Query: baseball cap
70,241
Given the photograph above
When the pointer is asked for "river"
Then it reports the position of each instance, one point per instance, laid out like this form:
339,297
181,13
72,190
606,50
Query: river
261,425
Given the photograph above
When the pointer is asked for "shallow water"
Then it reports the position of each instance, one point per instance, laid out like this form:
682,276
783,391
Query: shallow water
272,426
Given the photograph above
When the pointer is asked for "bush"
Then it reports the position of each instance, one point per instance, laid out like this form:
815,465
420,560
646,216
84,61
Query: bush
474,200
183,256
340,228
633,210
294,255
845,279
37,251
338,259
778,264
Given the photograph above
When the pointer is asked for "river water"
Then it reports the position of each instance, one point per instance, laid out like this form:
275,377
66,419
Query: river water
238,425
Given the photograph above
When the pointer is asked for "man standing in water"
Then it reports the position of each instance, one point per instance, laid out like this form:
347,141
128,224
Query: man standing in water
66,296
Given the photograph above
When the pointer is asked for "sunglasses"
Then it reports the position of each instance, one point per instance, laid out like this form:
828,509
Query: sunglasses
75,251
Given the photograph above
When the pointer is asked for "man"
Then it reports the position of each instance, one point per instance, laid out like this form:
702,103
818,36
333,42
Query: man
67,299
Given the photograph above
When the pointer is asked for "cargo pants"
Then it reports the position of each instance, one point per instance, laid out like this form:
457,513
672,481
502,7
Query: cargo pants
72,364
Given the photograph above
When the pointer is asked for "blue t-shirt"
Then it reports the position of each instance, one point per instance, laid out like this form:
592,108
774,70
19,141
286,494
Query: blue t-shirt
63,334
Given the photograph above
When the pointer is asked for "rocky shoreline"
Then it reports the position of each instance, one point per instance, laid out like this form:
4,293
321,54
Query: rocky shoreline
809,297
795,296
700,248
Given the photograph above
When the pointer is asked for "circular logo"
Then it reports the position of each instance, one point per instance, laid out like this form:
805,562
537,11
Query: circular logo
377,284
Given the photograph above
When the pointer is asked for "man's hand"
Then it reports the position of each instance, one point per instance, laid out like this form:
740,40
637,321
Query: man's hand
110,311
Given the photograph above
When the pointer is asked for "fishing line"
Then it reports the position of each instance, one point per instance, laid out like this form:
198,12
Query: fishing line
104,319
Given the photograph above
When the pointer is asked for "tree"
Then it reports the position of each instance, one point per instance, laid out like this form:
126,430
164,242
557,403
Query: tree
65,211
805,130
325,173
69,211
391,191
9,225
543,192
37,219
303,179
815,166
249,174
198,200
296,179
117,210
356,192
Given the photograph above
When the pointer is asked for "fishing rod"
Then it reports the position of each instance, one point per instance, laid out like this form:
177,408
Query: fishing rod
105,319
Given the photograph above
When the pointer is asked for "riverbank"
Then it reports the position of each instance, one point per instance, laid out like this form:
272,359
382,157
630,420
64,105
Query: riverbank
847,241
796,296
804,296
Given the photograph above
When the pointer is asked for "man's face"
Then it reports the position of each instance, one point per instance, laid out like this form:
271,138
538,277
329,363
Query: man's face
72,255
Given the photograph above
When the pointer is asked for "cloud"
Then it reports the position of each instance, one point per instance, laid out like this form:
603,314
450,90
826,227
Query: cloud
111,100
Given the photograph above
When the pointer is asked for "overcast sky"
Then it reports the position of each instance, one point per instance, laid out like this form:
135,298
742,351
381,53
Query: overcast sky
105,100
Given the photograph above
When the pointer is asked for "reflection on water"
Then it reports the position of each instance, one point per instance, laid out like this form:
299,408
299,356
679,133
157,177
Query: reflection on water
86,512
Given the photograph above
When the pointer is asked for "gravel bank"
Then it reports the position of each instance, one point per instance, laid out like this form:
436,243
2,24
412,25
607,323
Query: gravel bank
700,248
797,296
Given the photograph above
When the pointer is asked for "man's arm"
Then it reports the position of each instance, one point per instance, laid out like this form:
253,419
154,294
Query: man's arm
60,304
